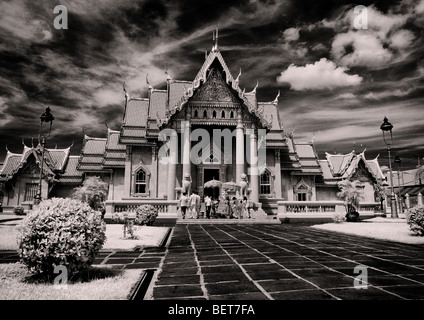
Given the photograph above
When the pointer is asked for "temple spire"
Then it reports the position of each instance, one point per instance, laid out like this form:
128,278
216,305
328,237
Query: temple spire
215,40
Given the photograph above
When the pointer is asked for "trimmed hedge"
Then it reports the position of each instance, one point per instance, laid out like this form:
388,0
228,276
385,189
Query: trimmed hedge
60,232
415,220
19,211
145,215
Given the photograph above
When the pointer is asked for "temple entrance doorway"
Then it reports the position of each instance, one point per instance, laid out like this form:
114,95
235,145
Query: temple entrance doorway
211,174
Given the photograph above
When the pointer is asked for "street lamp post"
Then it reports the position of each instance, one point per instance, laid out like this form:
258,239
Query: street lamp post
45,117
387,127
398,162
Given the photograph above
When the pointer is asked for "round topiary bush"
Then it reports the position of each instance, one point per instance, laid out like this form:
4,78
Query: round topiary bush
145,215
60,232
415,220
19,211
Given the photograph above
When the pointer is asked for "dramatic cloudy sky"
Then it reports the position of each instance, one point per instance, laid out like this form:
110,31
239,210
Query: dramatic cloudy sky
337,83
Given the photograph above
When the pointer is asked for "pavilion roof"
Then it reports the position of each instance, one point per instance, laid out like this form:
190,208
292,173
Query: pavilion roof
55,161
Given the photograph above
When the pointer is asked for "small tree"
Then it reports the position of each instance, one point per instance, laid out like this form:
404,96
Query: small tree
351,195
93,192
380,194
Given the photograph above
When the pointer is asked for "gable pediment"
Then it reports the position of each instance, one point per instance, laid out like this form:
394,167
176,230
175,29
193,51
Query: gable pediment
215,89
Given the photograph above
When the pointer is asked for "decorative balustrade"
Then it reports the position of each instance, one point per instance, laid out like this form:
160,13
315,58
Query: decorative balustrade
309,206
166,208
320,209
369,207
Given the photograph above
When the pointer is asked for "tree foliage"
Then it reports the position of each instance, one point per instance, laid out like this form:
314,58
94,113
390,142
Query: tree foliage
93,192
351,196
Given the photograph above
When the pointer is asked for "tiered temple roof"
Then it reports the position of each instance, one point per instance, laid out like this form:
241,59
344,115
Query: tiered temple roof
56,164
101,154
343,166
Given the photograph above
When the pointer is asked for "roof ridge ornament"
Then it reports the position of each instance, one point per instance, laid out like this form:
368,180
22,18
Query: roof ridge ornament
276,98
168,77
127,96
254,89
238,77
148,83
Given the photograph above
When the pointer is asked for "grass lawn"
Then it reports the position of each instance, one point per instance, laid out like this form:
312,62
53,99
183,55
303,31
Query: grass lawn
99,283
377,228
8,235
147,237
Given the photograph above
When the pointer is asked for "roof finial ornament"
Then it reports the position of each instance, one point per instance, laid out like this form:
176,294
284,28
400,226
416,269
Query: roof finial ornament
254,89
313,137
32,142
168,77
23,142
238,77
276,98
127,96
148,83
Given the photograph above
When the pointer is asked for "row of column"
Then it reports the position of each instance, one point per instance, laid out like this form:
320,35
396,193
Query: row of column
240,152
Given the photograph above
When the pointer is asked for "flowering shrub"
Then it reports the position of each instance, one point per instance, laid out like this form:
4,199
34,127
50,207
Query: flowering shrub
145,215
338,217
123,217
20,211
60,232
415,219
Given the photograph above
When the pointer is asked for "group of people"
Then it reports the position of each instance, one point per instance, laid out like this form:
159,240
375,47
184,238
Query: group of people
236,208
190,203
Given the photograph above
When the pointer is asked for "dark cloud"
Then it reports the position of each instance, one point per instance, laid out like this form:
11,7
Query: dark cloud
79,72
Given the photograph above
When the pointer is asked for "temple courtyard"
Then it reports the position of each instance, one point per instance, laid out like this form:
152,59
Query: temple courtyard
270,261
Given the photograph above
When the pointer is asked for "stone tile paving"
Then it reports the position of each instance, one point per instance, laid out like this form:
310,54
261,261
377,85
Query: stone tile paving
148,258
283,262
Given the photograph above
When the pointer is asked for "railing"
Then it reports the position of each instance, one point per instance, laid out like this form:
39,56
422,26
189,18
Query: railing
164,207
369,207
309,206
320,208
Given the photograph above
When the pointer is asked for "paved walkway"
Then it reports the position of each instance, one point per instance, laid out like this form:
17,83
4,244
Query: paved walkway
148,258
283,262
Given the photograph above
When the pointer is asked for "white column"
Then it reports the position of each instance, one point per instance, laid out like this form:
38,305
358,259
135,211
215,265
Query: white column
277,185
172,167
407,201
154,177
254,174
239,148
128,169
186,141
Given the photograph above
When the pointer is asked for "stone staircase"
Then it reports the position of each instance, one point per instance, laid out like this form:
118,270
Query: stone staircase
257,216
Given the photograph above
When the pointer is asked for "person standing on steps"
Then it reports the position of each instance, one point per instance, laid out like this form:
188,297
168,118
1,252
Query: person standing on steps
194,204
244,212
249,206
208,205
184,204
234,208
